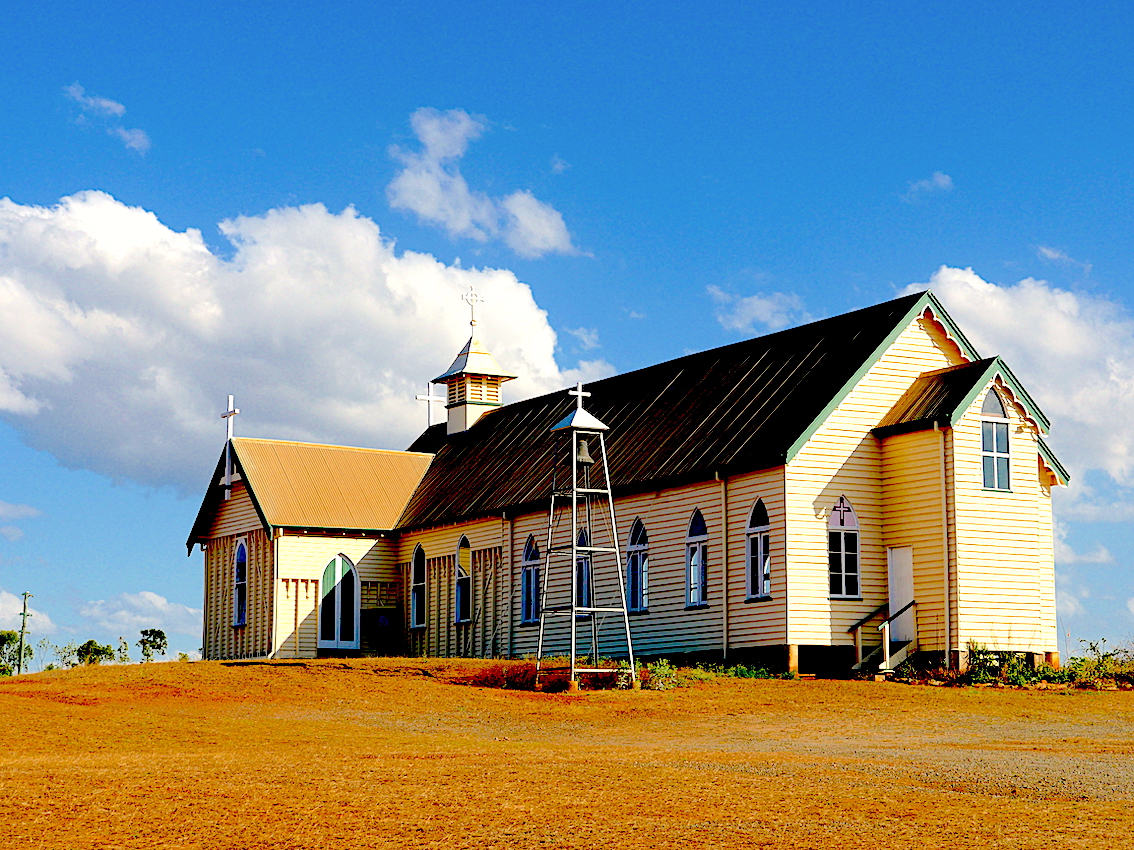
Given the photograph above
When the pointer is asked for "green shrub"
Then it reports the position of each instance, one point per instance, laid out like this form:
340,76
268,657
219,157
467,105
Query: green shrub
661,676
983,667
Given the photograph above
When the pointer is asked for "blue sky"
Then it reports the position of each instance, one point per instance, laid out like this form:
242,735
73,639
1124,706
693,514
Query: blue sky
282,201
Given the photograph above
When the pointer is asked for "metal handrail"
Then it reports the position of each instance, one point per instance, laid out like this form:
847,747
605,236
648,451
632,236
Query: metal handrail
893,617
869,617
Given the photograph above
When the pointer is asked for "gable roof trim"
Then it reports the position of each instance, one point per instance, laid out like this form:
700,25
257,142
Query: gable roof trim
1052,462
926,303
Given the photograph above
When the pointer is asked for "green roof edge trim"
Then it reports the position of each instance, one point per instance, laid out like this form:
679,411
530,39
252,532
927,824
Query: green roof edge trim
928,299
999,367
1048,455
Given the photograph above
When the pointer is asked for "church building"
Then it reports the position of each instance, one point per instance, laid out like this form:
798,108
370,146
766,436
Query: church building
833,496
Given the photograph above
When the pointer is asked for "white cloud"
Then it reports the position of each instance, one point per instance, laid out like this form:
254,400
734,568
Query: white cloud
9,511
10,607
1065,554
559,164
108,112
1054,255
130,612
937,182
122,338
102,106
588,337
1069,597
1130,605
1074,352
743,313
11,533
137,140
431,186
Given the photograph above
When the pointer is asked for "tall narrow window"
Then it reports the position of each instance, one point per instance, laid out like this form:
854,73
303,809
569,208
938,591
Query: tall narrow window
759,552
584,598
338,606
417,588
638,568
240,585
842,550
462,602
696,561
529,582
994,453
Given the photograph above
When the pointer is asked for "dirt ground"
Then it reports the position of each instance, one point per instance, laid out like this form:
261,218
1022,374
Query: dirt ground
399,753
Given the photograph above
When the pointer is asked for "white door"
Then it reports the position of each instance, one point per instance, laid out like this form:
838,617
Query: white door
899,560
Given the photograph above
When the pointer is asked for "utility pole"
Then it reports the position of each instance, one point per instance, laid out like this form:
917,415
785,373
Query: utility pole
23,630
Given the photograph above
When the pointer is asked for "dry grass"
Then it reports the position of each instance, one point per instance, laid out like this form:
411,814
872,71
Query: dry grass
397,753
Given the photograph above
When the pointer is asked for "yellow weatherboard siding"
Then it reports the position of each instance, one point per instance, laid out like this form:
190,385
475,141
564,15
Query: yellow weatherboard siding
842,458
221,638
1003,543
911,516
302,559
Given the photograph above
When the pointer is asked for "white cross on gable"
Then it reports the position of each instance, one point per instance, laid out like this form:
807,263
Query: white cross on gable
228,417
232,411
429,400
579,394
472,298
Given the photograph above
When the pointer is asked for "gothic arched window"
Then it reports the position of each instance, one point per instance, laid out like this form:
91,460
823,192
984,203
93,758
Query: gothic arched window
842,550
759,556
696,561
638,568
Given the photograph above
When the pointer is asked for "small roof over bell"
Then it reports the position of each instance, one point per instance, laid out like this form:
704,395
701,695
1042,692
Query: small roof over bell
474,359
578,418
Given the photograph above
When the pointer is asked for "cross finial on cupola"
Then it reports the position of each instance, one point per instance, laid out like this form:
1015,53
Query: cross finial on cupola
474,379
472,298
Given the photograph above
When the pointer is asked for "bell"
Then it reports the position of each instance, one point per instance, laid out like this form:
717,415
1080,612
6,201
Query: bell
583,456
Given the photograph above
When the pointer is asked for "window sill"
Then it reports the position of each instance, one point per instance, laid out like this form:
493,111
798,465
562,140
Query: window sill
765,598
696,606
420,627
239,625
845,598
529,622
462,622
994,490
634,611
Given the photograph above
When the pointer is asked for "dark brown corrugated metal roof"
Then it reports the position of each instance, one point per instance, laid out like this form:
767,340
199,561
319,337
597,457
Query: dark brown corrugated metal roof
731,409
934,397
308,485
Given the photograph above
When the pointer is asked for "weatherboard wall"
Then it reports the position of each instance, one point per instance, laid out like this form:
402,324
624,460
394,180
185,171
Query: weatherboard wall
668,626
843,458
1005,569
301,561
912,494
221,638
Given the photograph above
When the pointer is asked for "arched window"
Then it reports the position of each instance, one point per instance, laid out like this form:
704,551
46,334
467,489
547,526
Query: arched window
462,599
638,568
240,585
696,561
529,582
994,453
584,596
417,588
338,606
842,550
759,554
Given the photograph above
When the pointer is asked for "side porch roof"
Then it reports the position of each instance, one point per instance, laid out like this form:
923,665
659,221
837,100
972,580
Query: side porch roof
313,486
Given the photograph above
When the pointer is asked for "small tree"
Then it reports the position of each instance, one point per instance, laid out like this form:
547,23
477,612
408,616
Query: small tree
10,652
153,642
123,654
67,655
93,652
